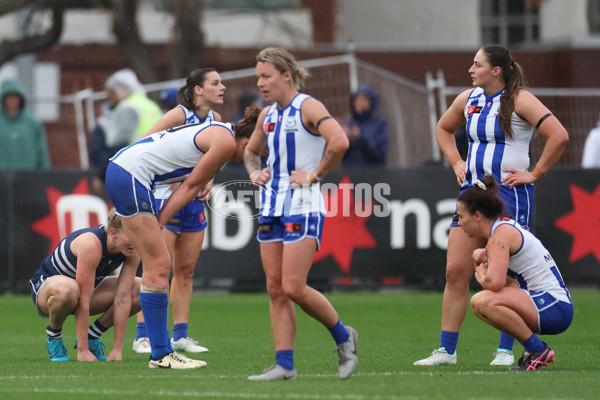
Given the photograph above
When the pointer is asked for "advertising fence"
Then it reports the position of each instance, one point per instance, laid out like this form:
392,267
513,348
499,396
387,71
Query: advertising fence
385,227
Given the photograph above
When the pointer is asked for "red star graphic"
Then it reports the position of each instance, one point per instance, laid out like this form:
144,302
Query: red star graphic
583,223
48,225
344,231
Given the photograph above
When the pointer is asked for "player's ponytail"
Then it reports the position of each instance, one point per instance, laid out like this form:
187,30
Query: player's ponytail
514,80
245,127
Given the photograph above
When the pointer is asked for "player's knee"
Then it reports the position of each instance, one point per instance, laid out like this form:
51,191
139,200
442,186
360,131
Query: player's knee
67,295
458,274
184,271
479,302
275,289
293,291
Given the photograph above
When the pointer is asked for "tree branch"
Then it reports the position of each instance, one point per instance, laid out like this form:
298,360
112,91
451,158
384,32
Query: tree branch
130,43
31,44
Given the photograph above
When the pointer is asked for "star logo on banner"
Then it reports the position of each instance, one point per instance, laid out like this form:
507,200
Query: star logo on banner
344,231
583,223
48,225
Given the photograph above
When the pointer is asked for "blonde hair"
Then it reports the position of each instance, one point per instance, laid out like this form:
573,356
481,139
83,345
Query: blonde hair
283,61
114,221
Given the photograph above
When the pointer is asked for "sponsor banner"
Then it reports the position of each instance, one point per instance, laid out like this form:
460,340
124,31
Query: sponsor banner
384,226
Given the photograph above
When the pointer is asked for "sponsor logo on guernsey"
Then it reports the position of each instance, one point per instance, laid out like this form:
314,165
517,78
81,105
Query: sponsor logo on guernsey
270,127
474,110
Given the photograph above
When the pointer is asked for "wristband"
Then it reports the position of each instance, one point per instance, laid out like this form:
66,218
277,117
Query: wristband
454,159
317,177
537,174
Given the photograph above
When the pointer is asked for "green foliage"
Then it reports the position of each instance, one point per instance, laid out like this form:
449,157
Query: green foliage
395,329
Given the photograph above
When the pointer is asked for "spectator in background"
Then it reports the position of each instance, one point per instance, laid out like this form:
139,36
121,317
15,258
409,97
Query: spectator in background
368,132
98,152
591,149
168,99
23,144
133,113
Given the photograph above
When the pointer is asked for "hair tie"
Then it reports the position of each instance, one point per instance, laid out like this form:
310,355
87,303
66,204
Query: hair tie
481,185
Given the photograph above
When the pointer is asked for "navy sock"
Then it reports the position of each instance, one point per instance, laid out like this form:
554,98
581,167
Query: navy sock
285,358
180,331
533,344
339,332
449,340
506,342
140,330
96,330
53,334
154,307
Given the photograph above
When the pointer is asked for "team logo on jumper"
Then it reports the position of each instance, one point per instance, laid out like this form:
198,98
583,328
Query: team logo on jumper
474,110
290,123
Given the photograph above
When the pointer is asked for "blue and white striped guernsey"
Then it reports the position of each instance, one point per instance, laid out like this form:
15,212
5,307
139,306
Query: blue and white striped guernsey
291,147
164,191
166,156
490,150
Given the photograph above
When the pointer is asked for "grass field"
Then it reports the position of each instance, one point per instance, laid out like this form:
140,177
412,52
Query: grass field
395,329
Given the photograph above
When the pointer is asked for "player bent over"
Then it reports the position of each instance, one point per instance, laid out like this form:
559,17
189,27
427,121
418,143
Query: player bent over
76,279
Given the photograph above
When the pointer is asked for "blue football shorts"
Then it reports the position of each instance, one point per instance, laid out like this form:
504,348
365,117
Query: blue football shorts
554,316
291,228
128,195
190,218
518,204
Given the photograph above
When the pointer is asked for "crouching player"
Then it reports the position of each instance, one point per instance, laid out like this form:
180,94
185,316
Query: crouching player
76,279
542,304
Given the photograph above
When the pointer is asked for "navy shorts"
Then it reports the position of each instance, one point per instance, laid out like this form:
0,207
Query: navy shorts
554,316
38,280
128,195
291,228
518,204
190,218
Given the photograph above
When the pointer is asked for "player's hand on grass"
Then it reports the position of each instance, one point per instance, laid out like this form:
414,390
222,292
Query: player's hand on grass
85,355
115,355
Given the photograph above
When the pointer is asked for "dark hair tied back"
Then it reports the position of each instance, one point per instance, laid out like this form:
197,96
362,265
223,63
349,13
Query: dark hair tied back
185,95
245,127
483,197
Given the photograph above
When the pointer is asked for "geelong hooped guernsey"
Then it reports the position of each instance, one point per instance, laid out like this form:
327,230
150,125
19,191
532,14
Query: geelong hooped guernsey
164,157
62,261
291,147
491,152
164,191
532,265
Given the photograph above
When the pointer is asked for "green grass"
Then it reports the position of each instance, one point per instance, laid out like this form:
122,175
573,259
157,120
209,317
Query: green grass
395,330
